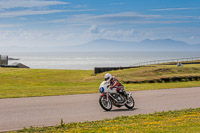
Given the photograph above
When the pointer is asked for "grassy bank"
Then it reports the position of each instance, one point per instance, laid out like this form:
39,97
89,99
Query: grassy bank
171,121
41,82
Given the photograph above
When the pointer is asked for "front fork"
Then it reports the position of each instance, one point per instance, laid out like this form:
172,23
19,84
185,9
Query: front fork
106,95
128,95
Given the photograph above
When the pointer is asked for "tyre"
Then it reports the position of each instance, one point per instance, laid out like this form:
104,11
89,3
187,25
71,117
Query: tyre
106,105
130,103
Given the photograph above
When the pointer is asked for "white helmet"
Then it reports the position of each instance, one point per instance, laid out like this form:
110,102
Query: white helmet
108,77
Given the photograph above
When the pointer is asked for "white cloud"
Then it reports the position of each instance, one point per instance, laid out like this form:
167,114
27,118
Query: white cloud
14,8
7,4
28,12
120,35
171,9
125,18
55,21
81,6
14,35
115,18
7,25
182,17
94,29
23,18
117,3
39,38
95,32
35,12
128,15
166,22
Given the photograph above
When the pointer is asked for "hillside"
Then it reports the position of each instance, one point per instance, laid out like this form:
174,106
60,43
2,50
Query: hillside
145,45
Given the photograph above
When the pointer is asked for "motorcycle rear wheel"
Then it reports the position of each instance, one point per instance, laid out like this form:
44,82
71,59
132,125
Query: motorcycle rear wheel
106,105
131,103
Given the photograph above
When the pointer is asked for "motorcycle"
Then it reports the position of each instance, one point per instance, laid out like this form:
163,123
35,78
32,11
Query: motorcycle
110,97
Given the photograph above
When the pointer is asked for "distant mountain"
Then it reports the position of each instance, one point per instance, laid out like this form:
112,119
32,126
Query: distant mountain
163,45
112,45
145,45
103,45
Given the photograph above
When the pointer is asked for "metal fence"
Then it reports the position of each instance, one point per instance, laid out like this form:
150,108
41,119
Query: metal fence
3,60
155,62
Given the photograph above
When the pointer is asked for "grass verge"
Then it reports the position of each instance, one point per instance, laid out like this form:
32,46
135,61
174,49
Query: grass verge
187,120
40,82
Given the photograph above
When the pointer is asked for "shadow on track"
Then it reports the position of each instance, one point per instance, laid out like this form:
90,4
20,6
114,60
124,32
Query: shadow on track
118,110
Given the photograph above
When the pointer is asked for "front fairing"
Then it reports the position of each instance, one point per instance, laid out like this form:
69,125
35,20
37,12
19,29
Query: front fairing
103,88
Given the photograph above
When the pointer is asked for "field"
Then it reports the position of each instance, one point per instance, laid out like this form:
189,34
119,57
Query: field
44,82
172,121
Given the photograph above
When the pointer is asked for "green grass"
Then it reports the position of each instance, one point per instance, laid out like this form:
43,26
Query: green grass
182,121
157,72
43,82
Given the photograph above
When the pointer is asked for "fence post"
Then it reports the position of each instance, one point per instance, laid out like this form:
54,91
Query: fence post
7,60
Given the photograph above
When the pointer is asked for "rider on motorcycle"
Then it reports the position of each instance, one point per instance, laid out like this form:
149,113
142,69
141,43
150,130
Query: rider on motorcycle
114,83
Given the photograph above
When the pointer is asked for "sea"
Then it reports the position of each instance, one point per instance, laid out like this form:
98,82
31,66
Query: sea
89,60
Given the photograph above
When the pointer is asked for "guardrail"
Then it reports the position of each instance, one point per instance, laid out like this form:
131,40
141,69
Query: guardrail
166,61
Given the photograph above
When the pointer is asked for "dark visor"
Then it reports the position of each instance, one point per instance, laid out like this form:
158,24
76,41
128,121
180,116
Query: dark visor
106,79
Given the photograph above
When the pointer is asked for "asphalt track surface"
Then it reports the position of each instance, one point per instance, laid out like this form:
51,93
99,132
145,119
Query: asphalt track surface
17,113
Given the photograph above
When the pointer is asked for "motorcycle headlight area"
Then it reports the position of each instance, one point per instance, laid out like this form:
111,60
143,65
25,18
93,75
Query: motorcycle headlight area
101,90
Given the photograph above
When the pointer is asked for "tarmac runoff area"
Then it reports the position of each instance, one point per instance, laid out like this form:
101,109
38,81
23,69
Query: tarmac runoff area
17,113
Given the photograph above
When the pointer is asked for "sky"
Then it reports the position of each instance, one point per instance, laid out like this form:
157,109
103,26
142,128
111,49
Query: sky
57,23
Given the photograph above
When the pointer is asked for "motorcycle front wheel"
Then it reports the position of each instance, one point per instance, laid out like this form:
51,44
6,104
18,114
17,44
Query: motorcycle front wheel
106,105
130,103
